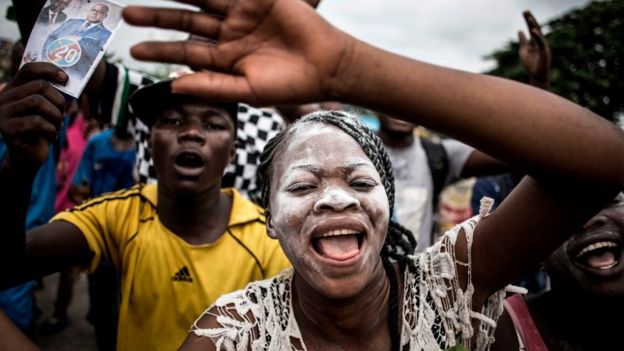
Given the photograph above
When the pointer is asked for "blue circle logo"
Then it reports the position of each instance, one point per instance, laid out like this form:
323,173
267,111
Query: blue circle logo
64,52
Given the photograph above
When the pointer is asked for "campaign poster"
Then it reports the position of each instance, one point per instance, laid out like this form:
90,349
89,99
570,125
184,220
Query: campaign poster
73,35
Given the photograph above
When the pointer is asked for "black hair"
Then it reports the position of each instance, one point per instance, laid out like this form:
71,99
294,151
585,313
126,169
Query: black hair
399,242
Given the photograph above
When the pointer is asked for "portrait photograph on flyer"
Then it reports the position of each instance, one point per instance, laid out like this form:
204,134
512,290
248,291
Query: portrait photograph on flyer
73,35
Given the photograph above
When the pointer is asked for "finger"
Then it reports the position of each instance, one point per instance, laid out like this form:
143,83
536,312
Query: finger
531,21
218,86
201,39
221,7
36,105
40,87
187,21
539,39
39,70
33,127
191,53
522,38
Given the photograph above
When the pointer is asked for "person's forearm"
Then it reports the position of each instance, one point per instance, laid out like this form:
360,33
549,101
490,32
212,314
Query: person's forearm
497,116
15,187
12,338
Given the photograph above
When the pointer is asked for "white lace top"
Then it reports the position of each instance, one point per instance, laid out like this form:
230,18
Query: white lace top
436,313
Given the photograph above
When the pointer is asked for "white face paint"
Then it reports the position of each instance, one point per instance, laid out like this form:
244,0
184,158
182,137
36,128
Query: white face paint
329,210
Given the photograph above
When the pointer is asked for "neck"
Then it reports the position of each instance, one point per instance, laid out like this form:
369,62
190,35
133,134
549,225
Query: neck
121,141
585,304
394,139
577,320
347,322
195,217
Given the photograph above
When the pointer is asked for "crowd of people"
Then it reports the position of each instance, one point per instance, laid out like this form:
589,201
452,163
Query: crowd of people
209,224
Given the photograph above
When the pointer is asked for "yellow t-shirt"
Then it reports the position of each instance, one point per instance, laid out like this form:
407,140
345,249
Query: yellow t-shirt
166,282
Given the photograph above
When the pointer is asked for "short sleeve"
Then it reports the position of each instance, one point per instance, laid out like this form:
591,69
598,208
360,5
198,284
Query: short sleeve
458,154
105,223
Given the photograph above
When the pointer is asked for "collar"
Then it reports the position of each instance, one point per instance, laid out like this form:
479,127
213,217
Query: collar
243,211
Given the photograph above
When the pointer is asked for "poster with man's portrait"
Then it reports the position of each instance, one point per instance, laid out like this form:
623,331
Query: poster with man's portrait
73,35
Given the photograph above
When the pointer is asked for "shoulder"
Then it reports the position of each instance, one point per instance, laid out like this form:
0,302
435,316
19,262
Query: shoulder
455,148
235,318
101,136
120,197
243,210
102,27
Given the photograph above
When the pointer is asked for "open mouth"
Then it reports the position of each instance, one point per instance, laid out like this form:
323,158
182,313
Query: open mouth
188,164
600,257
189,160
339,245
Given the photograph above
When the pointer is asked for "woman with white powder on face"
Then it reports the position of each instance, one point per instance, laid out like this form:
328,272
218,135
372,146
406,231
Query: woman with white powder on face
329,191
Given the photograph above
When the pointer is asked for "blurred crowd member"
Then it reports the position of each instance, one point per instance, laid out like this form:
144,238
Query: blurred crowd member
587,283
453,206
422,168
73,140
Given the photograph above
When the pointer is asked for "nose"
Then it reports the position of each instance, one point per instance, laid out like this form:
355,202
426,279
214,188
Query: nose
596,222
191,131
335,199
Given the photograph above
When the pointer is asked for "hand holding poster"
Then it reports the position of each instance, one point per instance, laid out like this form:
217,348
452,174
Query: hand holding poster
73,35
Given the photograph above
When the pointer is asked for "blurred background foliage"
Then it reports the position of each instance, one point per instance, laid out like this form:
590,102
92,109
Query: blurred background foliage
587,57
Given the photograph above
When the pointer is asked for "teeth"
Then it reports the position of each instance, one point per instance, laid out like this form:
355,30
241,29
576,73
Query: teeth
596,246
339,232
609,266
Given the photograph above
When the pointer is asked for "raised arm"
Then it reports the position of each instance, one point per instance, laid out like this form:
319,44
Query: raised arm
266,54
534,53
30,118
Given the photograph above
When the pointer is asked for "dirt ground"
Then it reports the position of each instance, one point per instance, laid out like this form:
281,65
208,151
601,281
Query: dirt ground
78,335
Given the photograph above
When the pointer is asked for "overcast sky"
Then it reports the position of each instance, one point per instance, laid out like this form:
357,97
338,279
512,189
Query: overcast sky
454,33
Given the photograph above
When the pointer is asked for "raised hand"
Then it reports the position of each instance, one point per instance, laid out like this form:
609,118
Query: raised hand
262,51
31,114
535,53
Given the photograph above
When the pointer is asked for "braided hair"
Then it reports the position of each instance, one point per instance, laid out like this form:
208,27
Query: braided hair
399,242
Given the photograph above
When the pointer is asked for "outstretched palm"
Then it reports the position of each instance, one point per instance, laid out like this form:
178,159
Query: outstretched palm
260,52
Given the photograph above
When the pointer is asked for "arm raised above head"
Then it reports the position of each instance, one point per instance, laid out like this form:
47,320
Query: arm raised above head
266,54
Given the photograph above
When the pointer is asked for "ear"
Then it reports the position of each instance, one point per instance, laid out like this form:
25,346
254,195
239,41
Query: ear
269,224
233,150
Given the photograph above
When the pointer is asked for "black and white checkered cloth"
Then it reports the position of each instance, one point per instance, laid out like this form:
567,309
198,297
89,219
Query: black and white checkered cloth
255,128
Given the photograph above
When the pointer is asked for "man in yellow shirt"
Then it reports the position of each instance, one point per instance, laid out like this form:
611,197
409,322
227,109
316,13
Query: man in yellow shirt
177,246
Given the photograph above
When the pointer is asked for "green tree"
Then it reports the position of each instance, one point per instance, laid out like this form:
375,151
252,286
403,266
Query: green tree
587,57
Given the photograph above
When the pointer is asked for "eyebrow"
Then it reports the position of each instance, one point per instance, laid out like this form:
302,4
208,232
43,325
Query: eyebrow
348,168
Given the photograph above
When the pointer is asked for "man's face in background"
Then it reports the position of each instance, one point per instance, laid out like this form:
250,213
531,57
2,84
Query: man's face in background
59,5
